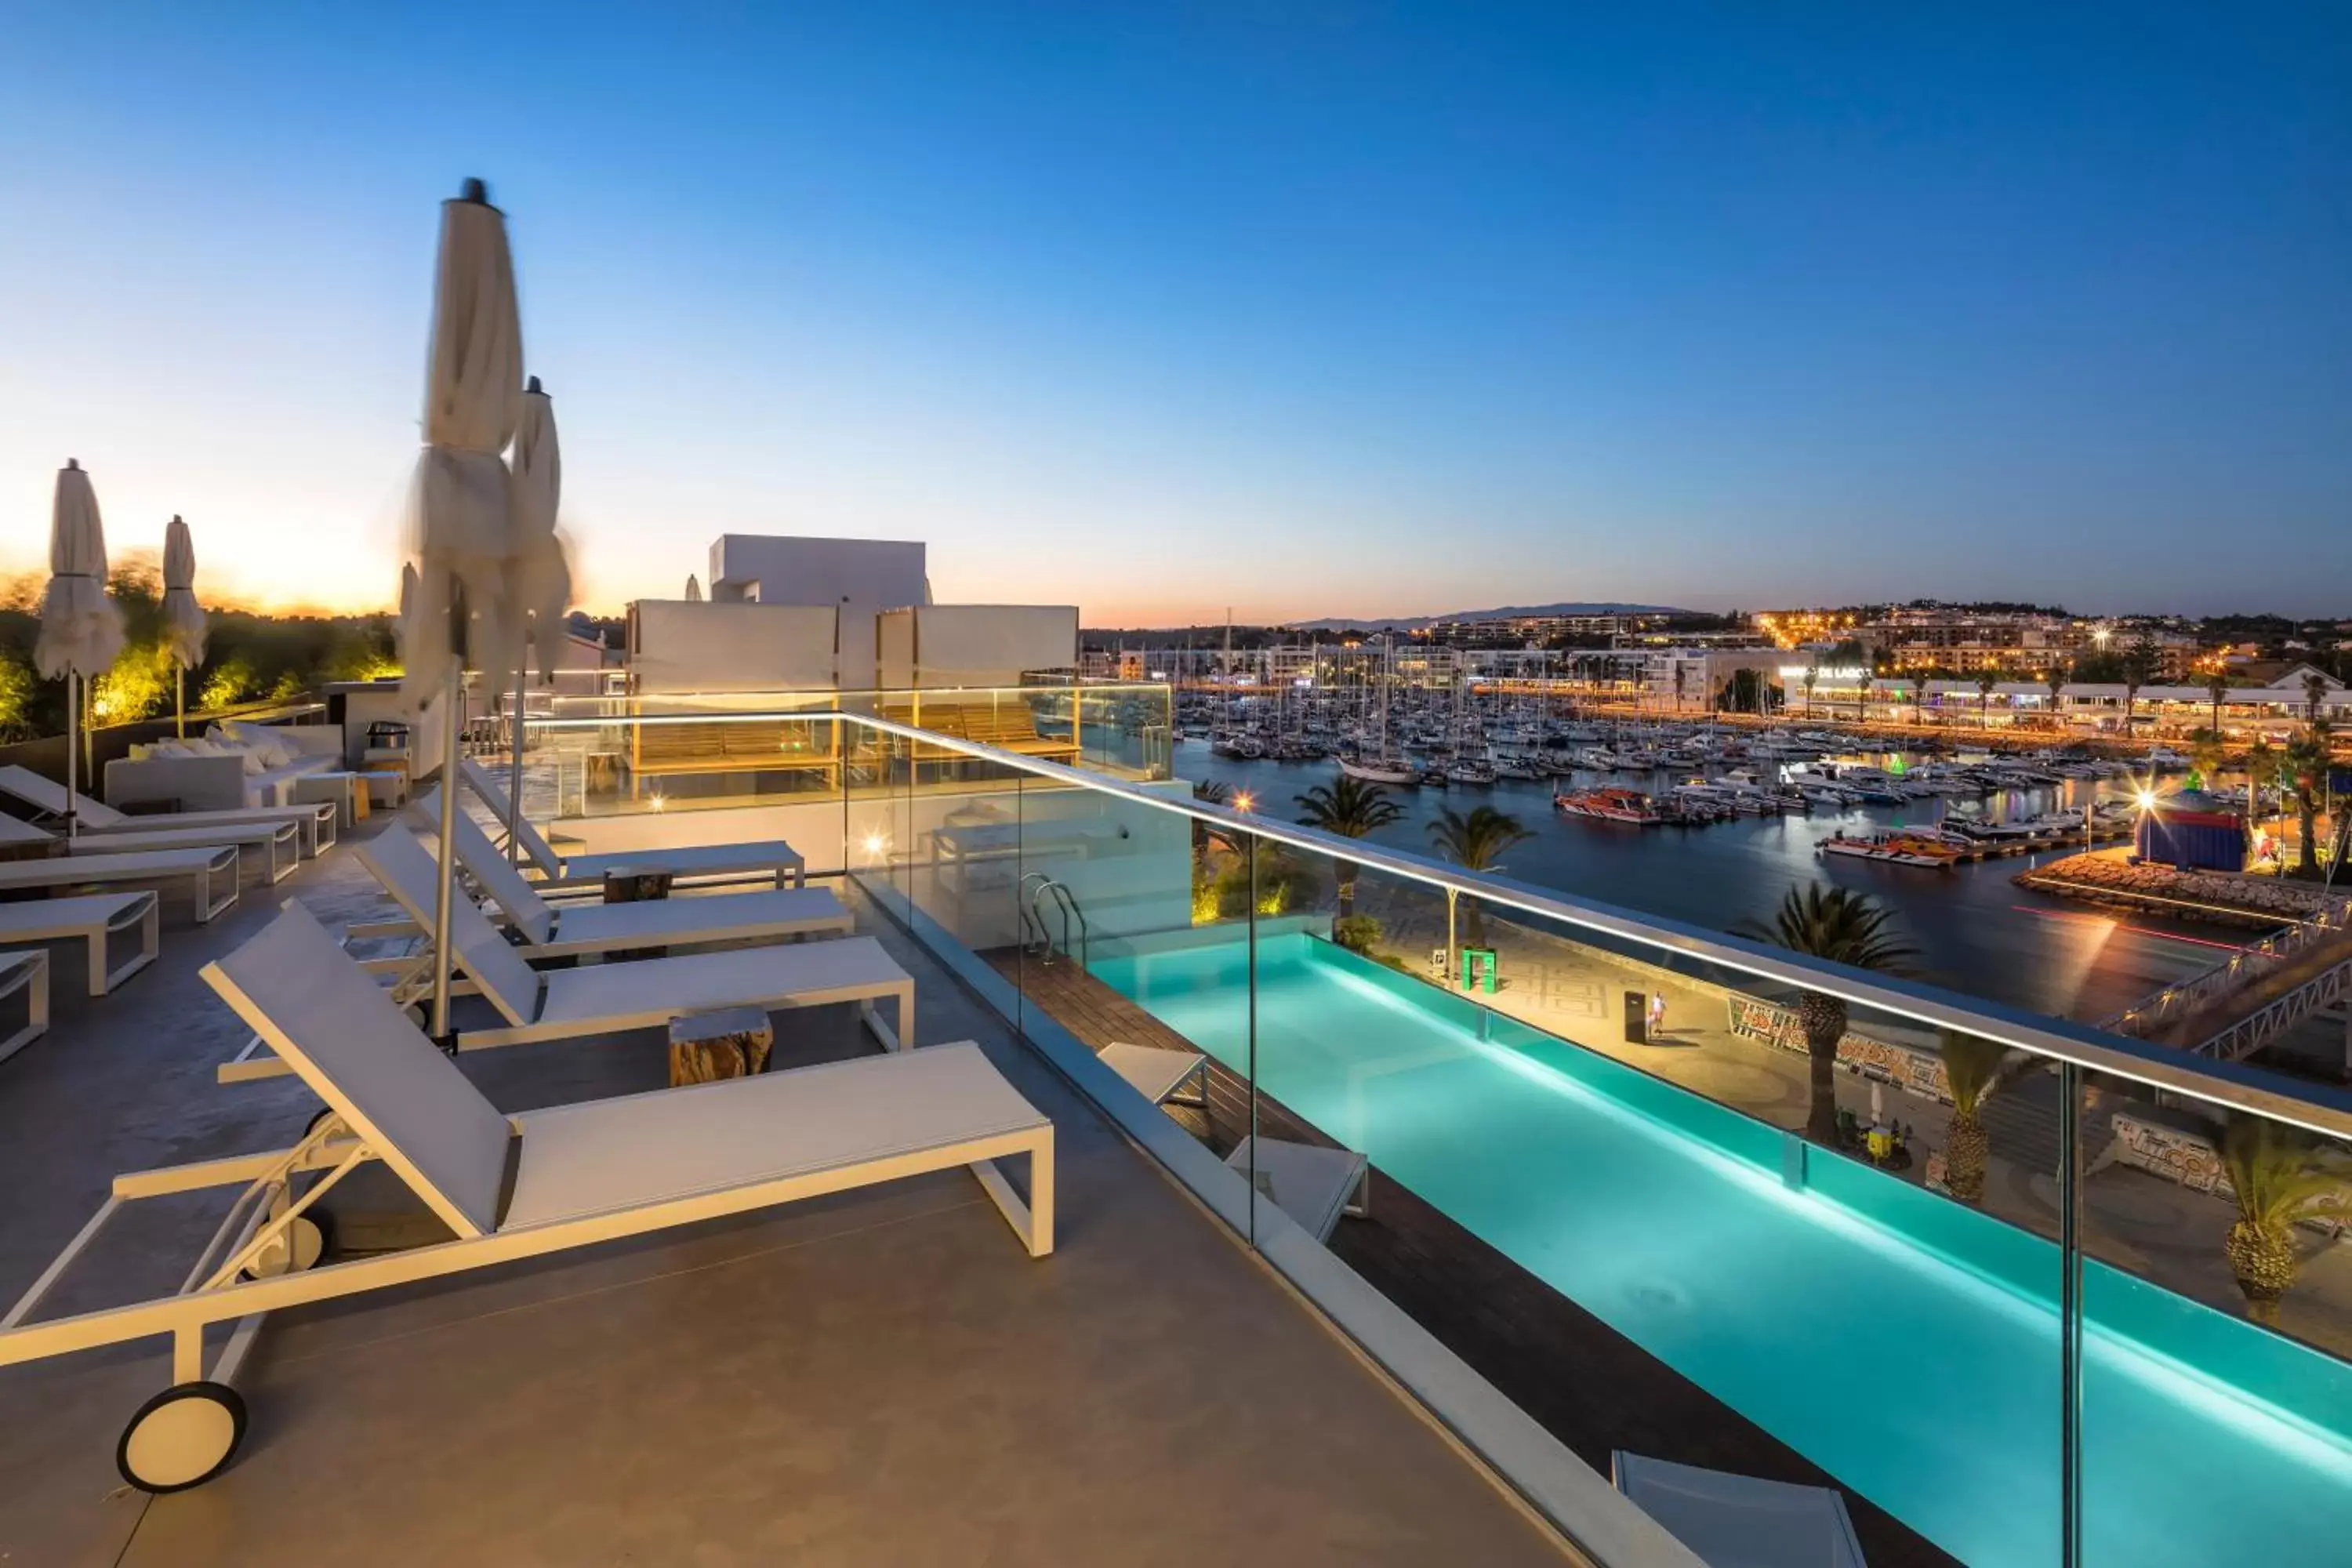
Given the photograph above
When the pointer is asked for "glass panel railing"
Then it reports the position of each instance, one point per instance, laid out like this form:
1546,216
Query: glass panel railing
1119,729
1759,1211
1138,931
1582,1165
2216,1397
955,831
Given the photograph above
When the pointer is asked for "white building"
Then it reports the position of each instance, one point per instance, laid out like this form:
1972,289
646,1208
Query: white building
804,614
859,578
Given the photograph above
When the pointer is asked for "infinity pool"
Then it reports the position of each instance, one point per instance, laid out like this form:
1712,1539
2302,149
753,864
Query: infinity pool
1904,1343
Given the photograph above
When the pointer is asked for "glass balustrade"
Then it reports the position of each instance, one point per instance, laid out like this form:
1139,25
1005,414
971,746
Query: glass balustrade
2018,1291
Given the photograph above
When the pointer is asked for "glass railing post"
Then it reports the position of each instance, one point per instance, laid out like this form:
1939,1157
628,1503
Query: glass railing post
901,850
1250,1034
2070,1315
1020,886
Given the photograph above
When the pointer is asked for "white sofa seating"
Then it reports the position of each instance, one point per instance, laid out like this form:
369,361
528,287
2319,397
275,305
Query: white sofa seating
235,765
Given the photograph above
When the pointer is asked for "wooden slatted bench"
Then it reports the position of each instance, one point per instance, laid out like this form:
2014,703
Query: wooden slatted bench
778,746
1009,726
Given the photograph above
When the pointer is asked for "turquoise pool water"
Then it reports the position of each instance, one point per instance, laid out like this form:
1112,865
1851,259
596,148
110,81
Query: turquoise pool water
1906,1345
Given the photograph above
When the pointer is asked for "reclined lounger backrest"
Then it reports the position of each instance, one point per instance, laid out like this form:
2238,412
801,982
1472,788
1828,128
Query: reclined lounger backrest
482,860
330,1022
410,875
542,854
48,796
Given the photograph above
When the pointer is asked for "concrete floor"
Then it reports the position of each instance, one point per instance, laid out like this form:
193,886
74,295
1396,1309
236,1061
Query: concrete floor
880,1377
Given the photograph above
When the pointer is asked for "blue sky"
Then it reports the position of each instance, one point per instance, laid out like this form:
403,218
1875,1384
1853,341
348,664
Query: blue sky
1306,308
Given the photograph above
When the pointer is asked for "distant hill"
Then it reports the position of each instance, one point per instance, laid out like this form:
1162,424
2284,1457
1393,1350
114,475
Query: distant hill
1506,613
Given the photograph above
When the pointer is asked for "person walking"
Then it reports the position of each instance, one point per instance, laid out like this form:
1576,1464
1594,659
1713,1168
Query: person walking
1657,1012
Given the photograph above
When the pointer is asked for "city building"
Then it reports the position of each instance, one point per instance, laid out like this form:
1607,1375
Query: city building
1533,630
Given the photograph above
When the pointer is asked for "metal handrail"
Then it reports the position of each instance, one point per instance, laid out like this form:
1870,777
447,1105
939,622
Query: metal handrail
1030,919
1069,907
2242,967
2317,1107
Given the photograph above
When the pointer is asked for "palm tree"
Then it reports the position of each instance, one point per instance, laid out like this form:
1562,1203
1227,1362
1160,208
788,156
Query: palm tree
2216,686
2314,694
2206,754
1352,808
1813,679
2306,764
1475,842
1680,676
2140,660
1208,791
2261,767
1985,681
1842,926
2054,678
2279,1176
1975,1068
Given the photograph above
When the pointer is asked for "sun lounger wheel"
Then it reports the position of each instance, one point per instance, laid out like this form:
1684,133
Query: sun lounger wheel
308,1239
182,1437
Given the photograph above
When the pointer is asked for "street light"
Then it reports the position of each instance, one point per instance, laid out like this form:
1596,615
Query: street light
1244,801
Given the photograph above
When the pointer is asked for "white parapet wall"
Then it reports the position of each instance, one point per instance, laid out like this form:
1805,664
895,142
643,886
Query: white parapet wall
679,645
932,647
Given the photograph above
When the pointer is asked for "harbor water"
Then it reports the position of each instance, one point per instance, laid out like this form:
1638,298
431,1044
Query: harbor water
1977,931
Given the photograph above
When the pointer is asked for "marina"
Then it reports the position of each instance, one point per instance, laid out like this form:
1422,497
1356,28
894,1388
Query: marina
1989,937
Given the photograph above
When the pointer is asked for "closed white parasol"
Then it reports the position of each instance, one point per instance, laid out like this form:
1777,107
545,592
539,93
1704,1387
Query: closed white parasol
465,606
183,618
543,574
81,629
693,590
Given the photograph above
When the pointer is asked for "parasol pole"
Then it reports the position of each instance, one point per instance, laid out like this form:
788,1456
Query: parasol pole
73,747
514,777
451,695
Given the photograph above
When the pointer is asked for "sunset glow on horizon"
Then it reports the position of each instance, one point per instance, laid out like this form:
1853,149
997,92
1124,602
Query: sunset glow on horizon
1393,313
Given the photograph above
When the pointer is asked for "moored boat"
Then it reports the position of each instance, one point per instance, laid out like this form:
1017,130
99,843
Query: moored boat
1894,847
1610,805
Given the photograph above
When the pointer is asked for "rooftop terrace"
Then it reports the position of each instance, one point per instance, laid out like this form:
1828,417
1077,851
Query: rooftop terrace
878,1377
1580,1242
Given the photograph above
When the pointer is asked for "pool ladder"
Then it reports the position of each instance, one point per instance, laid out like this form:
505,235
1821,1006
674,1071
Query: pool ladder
1036,935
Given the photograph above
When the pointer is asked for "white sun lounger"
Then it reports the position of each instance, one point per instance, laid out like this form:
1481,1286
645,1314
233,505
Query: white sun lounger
275,845
28,972
278,842
578,929
1158,1074
315,821
737,862
91,920
1310,1182
582,1174
608,998
204,868
1730,1519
